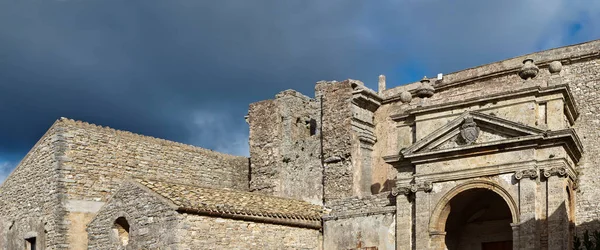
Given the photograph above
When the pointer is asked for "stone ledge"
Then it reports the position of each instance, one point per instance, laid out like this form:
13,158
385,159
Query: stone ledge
361,213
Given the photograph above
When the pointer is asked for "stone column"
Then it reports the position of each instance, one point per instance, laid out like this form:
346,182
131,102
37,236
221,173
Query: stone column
404,225
528,233
558,222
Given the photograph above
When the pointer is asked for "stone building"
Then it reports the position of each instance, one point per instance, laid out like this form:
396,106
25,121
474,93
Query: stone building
500,156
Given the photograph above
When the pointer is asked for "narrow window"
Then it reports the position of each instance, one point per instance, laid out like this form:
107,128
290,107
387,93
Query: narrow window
413,132
30,243
121,231
542,113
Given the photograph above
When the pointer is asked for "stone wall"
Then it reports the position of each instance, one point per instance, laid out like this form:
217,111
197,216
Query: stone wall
285,147
584,79
220,233
30,199
353,206
152,221
97,159
361,222
335,99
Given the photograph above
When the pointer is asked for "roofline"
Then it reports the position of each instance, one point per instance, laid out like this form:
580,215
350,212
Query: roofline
566,54
141,137
311,224
30,152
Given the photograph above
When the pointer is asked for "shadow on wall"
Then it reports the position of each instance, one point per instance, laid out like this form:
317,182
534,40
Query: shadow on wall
387,186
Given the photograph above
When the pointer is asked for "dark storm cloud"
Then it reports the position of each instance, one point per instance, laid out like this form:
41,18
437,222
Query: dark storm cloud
186,70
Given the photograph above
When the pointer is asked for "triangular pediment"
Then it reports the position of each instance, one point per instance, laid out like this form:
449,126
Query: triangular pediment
468,129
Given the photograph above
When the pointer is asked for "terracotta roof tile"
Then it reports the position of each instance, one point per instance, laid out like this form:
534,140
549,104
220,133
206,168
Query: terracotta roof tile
226,201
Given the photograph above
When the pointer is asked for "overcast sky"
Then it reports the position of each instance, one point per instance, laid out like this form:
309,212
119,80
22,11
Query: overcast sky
186,70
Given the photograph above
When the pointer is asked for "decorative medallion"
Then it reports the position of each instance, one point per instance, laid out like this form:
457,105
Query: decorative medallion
469,130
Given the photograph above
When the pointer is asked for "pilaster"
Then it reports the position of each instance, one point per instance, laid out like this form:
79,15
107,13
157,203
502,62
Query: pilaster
558,222
528,235
404,222
412,216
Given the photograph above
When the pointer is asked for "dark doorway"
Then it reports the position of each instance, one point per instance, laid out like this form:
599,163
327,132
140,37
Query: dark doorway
499,245
478,219
30,243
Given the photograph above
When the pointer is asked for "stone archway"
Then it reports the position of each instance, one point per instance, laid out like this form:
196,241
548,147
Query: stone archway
474,215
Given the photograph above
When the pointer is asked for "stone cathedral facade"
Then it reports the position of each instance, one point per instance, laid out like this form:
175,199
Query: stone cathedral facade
500,156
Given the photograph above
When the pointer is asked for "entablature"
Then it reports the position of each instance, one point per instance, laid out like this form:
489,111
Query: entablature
571,110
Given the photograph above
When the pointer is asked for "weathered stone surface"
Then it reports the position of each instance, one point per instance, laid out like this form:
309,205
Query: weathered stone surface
480,156
285,147
158,223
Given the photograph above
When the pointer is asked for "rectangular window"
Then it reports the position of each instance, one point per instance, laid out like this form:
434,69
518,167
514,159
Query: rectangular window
30,243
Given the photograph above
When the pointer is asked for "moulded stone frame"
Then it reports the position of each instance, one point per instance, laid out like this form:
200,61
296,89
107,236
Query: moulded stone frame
439,216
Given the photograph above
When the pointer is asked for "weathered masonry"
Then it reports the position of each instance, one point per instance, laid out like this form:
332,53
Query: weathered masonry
501,156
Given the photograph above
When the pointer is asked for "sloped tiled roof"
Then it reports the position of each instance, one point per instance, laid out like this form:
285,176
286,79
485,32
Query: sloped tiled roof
233,202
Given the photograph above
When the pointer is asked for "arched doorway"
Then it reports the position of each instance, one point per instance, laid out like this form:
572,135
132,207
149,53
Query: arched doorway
478,219
475,215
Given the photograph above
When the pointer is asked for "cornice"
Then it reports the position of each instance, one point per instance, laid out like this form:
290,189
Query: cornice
514,70
572,112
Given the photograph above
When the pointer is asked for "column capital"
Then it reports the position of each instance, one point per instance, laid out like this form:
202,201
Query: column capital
426,186
555,171
527,173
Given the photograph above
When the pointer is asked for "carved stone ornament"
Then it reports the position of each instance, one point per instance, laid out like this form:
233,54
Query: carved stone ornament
555,67
405,97
469,130
425,90
529,173
529,69
555,171
413,188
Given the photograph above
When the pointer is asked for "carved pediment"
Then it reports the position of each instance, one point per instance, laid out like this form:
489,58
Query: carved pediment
469,129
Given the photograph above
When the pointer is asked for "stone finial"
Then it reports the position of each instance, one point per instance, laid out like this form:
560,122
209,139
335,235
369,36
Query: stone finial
405,97
381,83
425,90
555,67
529,69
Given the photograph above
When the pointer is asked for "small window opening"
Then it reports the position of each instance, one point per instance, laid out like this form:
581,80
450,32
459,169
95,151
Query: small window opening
543,113
121,231
413,132
30,243
313,127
